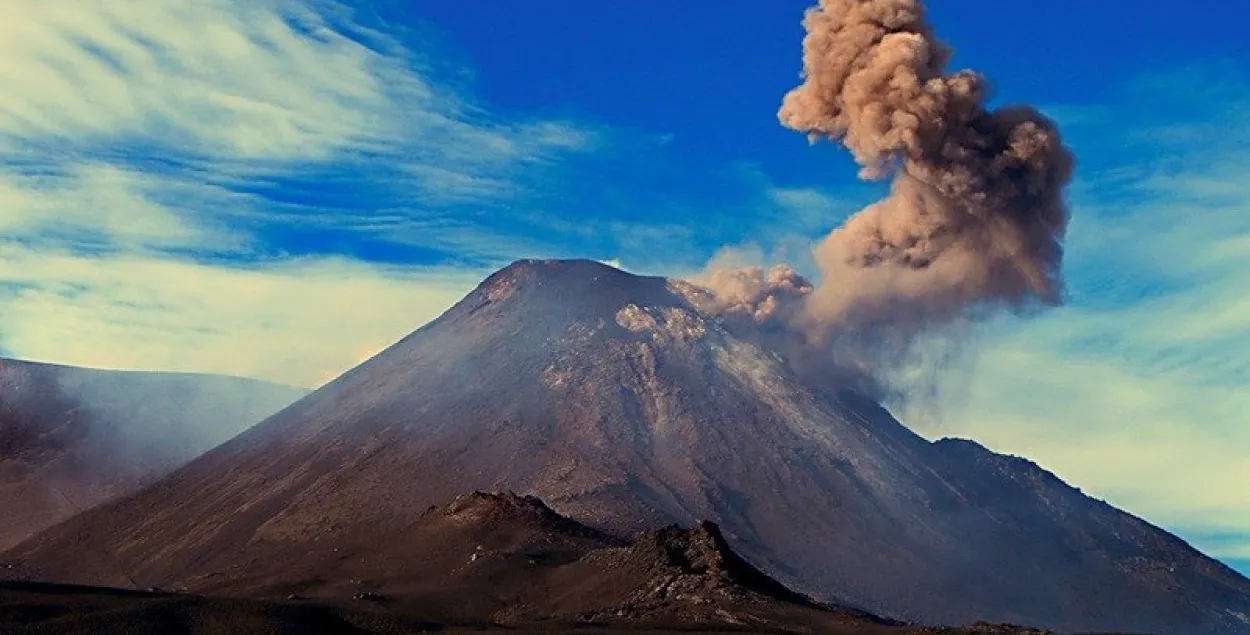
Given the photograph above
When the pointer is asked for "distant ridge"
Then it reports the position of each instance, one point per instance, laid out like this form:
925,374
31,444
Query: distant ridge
72,438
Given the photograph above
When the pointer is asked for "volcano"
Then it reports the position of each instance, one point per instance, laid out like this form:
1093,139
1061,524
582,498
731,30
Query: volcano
614,398
72,438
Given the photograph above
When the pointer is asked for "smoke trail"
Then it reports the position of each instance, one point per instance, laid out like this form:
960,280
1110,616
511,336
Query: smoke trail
976,214
973,223
764,306
755,295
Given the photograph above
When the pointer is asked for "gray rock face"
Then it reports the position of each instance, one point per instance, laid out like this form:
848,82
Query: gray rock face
614,399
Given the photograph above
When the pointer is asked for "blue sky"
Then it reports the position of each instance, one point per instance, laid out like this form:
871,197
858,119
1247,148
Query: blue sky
280,188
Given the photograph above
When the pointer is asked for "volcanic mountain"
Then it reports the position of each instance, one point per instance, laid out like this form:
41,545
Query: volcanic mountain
618,401
71,438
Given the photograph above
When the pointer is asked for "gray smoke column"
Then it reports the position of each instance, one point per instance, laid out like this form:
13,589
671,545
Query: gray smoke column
975,216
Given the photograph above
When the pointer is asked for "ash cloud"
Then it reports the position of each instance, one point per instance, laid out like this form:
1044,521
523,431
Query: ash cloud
755,295
976,215
764,306
975,218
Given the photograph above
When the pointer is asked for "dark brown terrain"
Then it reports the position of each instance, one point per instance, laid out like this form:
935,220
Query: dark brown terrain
617,400
72,438
482,561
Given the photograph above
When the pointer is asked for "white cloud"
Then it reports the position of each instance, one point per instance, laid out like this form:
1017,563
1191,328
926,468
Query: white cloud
219,76
249,85
101,205
1157,439
299,322
139,138
89,276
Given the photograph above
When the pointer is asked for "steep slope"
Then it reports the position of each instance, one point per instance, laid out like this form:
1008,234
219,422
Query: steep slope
615,399
71,438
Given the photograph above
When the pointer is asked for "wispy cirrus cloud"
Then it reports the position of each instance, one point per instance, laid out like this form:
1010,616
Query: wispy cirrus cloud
264,80
163,191
273,79
244,93
216,157
87,204
298,321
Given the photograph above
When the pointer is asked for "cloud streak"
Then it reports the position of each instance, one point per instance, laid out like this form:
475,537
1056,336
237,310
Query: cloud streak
264,80
299,322
150,158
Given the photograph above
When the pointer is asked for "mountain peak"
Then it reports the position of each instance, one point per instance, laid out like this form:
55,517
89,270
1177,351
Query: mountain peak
560,266
560,285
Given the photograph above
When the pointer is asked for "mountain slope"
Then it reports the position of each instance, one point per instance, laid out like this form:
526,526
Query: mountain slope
615,399
71,438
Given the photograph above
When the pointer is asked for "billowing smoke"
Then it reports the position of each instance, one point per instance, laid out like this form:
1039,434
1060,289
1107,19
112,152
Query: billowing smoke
755,295
975,216
765,306
976,212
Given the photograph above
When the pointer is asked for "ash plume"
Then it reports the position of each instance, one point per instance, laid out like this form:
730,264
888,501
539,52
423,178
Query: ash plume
764,306
975,216
974,220
753,294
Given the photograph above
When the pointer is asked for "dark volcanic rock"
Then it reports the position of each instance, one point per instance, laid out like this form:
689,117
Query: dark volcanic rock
622,405
530,570
689,575
71,438
699,562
